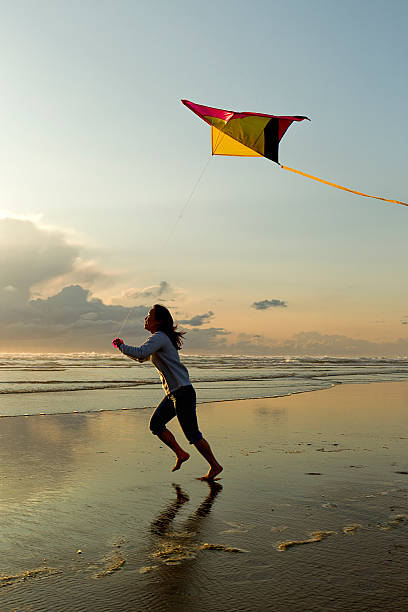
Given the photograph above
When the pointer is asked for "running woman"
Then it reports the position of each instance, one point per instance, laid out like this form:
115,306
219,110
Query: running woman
162,350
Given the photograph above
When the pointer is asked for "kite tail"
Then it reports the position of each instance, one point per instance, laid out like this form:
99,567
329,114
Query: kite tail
340,187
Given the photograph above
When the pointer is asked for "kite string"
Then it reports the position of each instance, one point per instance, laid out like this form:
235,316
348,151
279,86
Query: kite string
187,202
178,219
125,320
315,178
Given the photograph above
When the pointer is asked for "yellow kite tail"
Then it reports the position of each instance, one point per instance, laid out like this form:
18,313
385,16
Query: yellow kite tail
340,187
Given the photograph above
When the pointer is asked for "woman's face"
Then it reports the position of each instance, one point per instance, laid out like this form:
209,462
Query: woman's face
151,324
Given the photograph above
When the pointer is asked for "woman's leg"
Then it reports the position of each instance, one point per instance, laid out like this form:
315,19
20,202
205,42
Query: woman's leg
167,437
205,450
164,412
185,406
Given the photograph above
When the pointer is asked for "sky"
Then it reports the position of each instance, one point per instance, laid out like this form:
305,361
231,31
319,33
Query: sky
110,200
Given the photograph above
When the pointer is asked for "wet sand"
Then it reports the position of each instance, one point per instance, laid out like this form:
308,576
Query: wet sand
311,512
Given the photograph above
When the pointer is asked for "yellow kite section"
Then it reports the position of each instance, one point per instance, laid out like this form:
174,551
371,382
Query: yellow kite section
222,144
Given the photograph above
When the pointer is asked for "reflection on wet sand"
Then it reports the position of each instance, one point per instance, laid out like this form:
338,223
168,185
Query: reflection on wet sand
30,445
178,563
173,546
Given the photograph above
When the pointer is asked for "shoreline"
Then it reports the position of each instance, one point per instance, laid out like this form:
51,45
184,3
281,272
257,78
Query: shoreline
64,384
37,394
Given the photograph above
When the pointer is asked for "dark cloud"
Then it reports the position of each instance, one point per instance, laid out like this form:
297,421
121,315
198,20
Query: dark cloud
160,290
198,320
71,320
74,320
315,344
265,304
72,304
212,339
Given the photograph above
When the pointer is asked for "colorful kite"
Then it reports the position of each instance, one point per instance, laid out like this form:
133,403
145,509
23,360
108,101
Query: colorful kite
254,135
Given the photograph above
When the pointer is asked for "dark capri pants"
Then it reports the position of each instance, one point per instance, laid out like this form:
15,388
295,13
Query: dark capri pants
182,404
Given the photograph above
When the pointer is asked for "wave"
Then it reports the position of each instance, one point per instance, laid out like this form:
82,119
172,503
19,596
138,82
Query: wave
52,383
12,387
55,386
57,360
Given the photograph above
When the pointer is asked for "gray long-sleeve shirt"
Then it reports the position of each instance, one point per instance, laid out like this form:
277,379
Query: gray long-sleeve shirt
160,350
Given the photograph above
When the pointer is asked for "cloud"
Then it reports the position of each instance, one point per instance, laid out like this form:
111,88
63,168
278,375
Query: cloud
315,344
30,255
74,320
36,260
160,290
209,340
71,320
265,304
198,320
85,272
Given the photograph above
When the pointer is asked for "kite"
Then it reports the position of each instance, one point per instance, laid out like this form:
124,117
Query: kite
255,135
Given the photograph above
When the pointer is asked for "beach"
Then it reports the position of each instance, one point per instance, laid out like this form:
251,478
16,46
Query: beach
310,513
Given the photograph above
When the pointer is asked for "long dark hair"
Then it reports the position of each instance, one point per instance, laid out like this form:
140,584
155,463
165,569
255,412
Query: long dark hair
166,325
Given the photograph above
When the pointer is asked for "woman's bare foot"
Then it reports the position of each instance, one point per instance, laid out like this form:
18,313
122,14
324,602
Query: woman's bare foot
180,460
213,472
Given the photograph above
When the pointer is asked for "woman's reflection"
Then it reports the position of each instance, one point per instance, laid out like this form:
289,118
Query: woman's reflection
180,568
161,526
172,546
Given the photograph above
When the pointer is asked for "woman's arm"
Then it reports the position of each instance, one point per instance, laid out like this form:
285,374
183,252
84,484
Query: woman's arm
143,352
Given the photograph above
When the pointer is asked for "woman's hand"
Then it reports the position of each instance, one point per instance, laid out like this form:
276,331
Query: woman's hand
117,342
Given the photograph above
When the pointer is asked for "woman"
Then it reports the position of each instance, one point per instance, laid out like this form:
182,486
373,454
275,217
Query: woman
162,350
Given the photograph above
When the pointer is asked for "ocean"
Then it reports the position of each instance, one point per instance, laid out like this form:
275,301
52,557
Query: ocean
35,384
